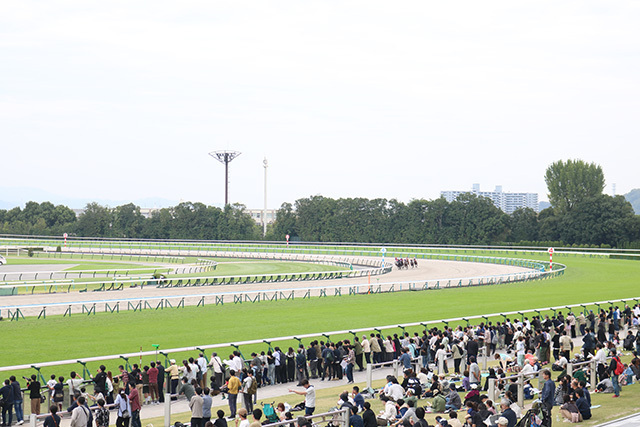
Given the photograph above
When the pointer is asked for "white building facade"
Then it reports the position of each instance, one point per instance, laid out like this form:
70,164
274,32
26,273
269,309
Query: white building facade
507,202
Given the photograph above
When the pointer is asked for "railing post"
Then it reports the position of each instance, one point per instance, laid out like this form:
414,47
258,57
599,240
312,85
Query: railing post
33,419
484,355
345,418
492,389
570,369
395,367
440,364
167,410
521,390
369,375
594,368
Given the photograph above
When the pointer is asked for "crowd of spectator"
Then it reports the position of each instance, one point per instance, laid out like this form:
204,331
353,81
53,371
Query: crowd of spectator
541,344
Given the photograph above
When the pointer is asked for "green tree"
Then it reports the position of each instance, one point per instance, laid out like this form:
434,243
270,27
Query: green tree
524,225
572,181
95,221
600,220
284,224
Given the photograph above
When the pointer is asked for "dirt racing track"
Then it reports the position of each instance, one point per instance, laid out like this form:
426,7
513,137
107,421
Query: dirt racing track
429,274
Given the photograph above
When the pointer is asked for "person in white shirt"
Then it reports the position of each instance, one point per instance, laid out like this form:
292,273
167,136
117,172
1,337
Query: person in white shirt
216,364
520,350
202,370
390,412
366,348
74,384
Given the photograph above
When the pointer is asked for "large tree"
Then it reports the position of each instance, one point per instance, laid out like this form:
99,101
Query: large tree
572,181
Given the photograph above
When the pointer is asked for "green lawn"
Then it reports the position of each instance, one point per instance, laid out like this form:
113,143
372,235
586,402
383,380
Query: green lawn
585,280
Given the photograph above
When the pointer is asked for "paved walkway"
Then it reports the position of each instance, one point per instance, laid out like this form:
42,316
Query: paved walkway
265,394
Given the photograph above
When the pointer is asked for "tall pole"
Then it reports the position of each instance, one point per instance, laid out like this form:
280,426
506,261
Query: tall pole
264,212
225,157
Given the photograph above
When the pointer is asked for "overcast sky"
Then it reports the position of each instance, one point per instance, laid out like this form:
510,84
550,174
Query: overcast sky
124,99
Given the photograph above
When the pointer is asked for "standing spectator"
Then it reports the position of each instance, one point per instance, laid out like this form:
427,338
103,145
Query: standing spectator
153,382
249,386
233,385
81,415
134,404
174,375
366,349
74,384
7,407
34,394
309,397
58,393
195,404
350,359
124,409
102,414
615,368
51,385
547,397
359,351
17,400
52,420
218,370
161,377
145,386
100,381
202,370
206,405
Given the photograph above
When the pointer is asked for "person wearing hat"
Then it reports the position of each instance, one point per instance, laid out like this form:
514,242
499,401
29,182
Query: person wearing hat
174,374
241,420
473,395
309,396
508,413
503,422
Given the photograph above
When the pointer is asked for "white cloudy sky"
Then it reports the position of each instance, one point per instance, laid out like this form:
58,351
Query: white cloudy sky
124,99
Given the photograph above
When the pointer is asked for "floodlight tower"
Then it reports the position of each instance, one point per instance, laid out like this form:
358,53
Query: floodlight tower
264,212
225,157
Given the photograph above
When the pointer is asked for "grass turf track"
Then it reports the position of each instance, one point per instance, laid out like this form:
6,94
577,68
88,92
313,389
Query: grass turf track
33,340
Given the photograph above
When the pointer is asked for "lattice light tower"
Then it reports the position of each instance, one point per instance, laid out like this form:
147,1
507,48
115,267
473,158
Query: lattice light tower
225,157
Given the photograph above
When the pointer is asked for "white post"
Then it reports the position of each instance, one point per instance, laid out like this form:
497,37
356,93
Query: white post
440,364
570,370
369,375
484,355
33,419
167,410
264,212
492,389
395,366
521,390
420,361
594,368
345,418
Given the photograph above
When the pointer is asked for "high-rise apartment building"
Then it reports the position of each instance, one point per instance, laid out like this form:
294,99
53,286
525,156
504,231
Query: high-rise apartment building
508,202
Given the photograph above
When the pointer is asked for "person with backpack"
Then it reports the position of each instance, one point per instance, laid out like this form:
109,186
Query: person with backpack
616,368
249,389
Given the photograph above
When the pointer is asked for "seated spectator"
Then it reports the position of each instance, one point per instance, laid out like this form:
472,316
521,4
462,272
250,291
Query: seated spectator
583,406
569,410
453,399
388,415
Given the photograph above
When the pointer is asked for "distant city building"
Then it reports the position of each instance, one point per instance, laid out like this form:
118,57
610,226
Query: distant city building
508,202
256,214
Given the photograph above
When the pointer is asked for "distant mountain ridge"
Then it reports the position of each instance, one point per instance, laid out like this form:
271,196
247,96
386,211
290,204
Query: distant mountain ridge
11,197
633,197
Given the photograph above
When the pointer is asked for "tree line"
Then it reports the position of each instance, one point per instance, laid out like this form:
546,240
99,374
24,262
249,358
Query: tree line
580,215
